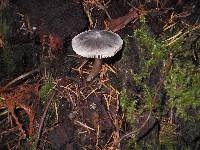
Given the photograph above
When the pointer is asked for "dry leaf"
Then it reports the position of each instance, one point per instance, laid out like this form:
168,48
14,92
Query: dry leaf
121,22
55,41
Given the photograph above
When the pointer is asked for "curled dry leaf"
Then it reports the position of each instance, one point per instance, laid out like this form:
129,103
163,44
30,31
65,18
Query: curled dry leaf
119,23
24,97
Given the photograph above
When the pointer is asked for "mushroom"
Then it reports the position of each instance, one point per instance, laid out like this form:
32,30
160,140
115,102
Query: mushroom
96,44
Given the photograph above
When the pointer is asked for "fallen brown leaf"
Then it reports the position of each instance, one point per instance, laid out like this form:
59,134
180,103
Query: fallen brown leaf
119,23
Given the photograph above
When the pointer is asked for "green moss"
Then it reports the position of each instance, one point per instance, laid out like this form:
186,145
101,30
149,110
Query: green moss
181,83
45,89
183,88
127,105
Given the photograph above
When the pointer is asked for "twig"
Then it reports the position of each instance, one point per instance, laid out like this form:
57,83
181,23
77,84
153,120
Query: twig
146,121
125,136
108,141
50,98
176,38
91,93
103,7
97,135
142,126
19,78
56,111
8,131
163,76
84,125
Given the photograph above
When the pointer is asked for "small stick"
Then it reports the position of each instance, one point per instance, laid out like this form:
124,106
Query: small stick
84,125
133,132
98,135
90,93
19,78
9,130
50,98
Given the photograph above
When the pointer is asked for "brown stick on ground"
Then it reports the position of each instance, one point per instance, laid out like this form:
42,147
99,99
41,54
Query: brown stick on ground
49,98
25,75
95,69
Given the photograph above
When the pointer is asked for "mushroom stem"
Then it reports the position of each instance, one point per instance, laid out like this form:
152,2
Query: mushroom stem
95,69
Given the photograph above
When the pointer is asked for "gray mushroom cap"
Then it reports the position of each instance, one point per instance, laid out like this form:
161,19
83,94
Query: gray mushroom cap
97,44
